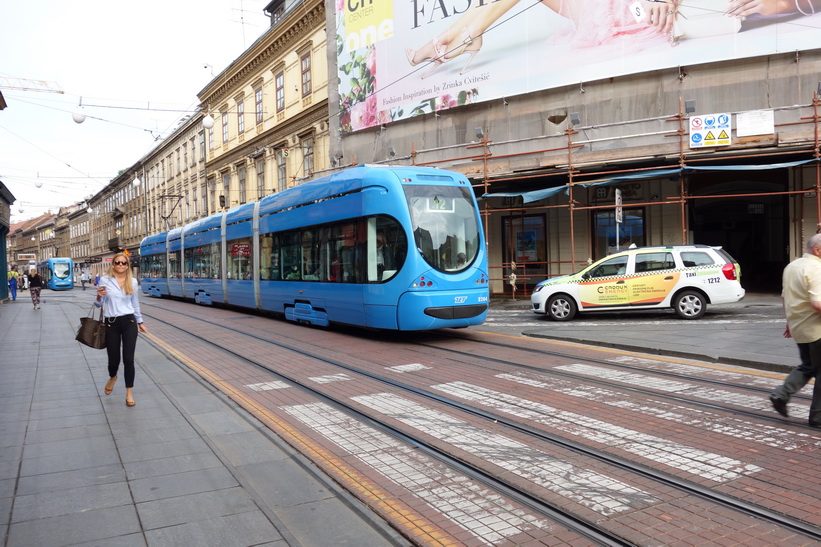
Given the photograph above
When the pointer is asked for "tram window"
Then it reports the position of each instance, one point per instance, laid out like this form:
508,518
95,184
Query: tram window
189,262
291,256
387,248
265,267
174,264
239,258
338,253
214,265
445,225
310,255
269,257
203,262
153,266
61,270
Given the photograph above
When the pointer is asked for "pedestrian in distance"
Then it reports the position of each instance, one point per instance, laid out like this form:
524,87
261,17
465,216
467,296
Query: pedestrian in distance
12,278
801,295
118,294
35,286
83,279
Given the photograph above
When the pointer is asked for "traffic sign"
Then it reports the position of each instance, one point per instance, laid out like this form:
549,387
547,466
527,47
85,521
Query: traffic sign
711,130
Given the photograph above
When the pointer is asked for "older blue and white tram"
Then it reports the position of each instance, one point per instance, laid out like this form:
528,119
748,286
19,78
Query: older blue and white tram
373,246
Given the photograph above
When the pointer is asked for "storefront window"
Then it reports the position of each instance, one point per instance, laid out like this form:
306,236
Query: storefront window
524,244
611,237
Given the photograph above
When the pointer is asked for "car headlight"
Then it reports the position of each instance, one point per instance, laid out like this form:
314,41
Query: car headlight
537,288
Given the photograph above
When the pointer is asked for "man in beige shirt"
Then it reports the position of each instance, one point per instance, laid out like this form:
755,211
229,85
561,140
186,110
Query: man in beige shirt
801,294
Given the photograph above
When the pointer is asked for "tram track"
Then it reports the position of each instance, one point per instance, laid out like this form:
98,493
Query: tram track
611,363
579,525
524,496
622,386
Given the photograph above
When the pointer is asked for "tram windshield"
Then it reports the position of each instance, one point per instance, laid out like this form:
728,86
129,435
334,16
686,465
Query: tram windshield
61,270
445,226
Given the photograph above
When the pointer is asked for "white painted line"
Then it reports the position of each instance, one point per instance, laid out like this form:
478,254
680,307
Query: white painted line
685,458
600,493
473,507
330,378
411,367
267,386
723,374
774,436
692,390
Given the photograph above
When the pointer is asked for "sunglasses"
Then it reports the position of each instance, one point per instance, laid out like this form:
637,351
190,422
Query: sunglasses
120,263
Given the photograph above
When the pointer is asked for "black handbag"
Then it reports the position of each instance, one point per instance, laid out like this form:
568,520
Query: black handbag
92,331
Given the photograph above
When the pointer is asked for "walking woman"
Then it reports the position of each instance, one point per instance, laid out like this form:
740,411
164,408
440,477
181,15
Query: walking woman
117,293
35,284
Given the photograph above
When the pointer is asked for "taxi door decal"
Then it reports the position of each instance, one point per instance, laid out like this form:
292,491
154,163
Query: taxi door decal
646,290
601,292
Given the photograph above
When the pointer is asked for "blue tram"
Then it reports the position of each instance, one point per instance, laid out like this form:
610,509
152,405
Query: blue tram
57,273
383,247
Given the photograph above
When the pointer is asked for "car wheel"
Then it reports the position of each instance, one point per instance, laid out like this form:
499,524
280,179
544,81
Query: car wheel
690,305
561,308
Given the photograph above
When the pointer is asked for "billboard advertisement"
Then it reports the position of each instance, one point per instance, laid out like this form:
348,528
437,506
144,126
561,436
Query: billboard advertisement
399,59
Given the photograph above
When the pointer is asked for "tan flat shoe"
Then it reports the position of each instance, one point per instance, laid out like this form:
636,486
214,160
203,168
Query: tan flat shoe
130,403
109,386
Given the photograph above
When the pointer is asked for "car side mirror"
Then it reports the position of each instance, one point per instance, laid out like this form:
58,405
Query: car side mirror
586,276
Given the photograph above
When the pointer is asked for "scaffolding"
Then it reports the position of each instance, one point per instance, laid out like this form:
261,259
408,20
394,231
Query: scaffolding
571,169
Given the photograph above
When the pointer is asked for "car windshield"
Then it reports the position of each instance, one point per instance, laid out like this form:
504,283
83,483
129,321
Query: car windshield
445,226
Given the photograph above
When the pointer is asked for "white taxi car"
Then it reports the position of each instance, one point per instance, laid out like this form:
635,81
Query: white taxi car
683,277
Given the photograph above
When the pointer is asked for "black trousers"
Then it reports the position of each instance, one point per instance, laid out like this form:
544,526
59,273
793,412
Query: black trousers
121,332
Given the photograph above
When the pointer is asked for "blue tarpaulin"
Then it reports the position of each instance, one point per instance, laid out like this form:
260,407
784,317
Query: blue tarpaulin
545,193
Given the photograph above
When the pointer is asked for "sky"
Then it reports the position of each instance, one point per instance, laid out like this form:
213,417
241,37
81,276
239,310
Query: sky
136,68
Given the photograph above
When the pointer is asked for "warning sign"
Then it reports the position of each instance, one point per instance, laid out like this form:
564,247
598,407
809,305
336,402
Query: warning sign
710,130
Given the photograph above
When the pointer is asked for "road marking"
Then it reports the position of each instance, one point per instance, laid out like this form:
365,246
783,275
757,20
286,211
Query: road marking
474,508
600,493
719,372
774,436
330,378
411,367
691,460
267,386
756,402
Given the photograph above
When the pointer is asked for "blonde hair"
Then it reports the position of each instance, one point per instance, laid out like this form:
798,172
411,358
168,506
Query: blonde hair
129,284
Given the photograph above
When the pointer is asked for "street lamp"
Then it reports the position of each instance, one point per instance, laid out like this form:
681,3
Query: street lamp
79,115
